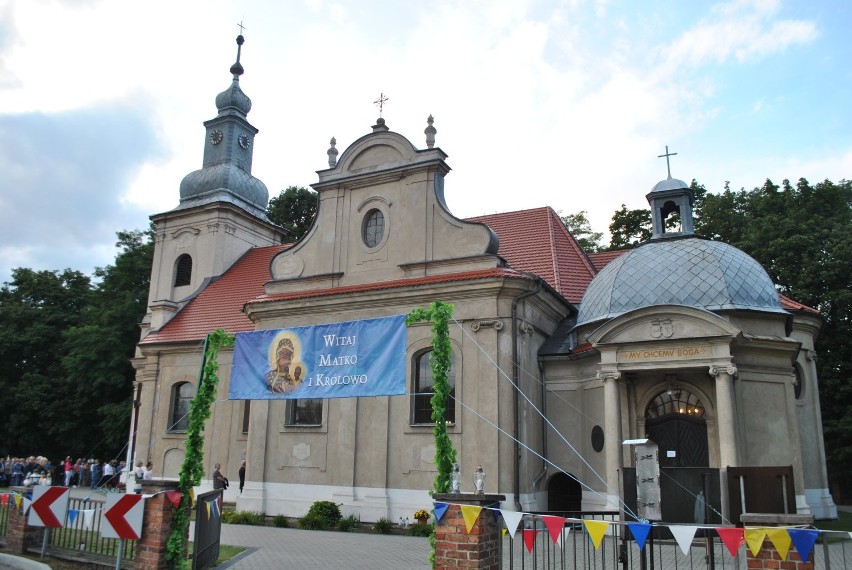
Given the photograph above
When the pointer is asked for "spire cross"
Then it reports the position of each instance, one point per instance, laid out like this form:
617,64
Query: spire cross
380,102
241,27
667,155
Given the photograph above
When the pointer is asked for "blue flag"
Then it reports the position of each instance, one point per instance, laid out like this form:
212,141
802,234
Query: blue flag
337,360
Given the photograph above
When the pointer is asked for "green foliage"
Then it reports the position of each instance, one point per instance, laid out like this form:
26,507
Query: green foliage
440,361
280,521
253,518
328,511
193,468
383,526
420,529
629,228
294,210
348,523
312,522
579,226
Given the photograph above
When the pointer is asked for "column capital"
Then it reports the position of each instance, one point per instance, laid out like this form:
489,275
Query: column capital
605,375
729,369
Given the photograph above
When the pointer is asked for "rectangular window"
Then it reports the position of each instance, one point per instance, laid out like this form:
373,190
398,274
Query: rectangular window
304,412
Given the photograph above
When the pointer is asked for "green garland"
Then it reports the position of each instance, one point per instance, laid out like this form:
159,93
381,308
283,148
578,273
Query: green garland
193,468
440,315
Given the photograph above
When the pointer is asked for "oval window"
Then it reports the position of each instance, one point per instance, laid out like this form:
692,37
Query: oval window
374,228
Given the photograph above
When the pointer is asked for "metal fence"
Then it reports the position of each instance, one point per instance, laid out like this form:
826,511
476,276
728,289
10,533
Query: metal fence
83,535
617,550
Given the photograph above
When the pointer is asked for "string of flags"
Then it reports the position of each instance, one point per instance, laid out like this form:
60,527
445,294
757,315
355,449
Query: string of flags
732,537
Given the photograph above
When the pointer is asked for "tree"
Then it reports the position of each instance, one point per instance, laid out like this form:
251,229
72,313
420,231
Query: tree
35,308
629,228
579,226
99,349
294,210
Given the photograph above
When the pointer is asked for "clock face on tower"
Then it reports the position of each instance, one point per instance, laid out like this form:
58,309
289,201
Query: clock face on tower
216,136
244,140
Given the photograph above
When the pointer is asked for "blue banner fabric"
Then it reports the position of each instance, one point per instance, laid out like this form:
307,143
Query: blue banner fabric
337,360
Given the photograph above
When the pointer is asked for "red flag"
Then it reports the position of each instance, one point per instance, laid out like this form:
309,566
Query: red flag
732,537
174,498
554,526
529,538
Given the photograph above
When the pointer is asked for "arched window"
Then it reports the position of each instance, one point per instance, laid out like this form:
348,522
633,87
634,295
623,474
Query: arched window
182,394
374,228
183,270
675,401
423,388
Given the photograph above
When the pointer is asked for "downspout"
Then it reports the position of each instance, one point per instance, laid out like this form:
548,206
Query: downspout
516,484
537,479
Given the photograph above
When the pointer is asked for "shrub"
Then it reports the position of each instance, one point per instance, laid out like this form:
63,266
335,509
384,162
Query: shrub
312,522
383,526
244,517
420,530
280,521
328,511
346,524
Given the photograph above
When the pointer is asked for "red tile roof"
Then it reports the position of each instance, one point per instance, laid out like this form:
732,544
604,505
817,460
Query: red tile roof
791,305
537,241
220,304
600,259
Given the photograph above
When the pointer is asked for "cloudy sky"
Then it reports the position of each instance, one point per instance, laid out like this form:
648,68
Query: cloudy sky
565,104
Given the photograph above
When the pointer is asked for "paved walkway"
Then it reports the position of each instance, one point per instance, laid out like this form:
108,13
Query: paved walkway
287,548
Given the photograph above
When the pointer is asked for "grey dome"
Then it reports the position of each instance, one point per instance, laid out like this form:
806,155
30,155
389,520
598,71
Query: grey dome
691,271
233,101
224,182
669,184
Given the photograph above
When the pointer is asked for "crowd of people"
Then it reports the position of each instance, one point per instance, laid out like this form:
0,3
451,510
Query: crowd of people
93,473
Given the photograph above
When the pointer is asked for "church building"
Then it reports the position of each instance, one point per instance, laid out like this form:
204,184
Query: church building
559,356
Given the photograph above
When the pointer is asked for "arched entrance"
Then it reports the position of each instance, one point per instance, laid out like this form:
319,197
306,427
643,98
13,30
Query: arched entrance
564,493
674,420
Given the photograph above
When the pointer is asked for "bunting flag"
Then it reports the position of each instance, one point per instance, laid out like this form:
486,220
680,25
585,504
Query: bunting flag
563,536
470,514
440,509
503,532
640,533
780,539
596,530
18,500
684,535
529,537
174,498
804,540
88,519
732,537
554,526
72,516
4,499
754,538
512,519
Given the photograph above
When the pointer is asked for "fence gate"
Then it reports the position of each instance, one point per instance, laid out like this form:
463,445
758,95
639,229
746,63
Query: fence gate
208,528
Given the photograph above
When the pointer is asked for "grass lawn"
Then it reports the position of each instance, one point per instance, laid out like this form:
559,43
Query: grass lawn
844,522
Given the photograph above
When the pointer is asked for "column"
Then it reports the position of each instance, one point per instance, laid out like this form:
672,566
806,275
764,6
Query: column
726,416
612,436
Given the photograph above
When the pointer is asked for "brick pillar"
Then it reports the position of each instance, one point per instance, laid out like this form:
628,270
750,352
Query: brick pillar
20,536
768,558
157,524
478,549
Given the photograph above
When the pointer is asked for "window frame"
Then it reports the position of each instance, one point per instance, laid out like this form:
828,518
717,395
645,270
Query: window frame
183,270
179,407
419,364
291,411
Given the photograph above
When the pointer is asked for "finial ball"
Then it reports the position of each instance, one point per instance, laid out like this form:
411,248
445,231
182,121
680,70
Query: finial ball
240,40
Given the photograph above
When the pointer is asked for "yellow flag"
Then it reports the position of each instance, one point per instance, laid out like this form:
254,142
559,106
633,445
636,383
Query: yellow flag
504,531
754,538
18,499
192,496
596,530
780,539
470,514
